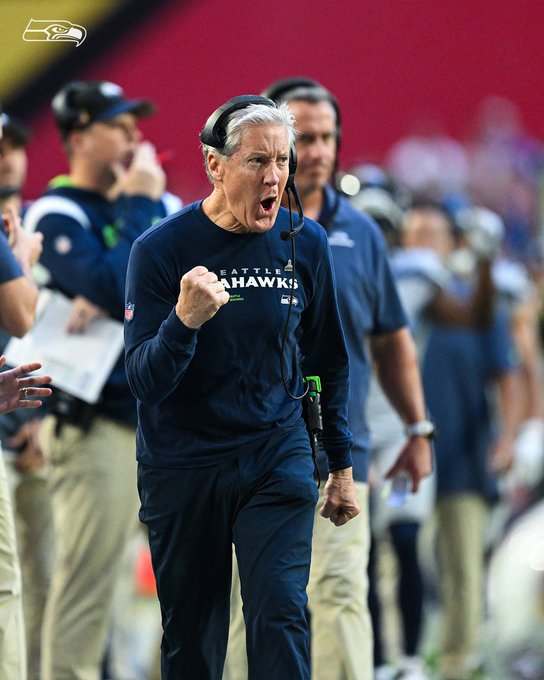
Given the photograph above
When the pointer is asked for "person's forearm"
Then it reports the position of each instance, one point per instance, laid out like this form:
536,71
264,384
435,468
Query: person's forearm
525,331
481,304
397,369
155,367
509,405
18,299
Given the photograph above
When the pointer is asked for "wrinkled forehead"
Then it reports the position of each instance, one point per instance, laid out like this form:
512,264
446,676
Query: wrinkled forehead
263,137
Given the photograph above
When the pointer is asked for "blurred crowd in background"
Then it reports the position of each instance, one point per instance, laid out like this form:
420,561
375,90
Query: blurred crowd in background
488,193
480,196
499,167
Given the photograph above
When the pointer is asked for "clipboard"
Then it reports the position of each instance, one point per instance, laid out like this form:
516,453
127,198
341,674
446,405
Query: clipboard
79,364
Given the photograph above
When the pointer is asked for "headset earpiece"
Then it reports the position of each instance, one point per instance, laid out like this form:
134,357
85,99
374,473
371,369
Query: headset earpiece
292,167
277,91
214,132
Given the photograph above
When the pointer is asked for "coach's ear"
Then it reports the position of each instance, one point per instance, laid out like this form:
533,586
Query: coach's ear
216,166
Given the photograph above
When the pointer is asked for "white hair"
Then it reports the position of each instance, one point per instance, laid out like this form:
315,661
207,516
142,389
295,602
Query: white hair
241,119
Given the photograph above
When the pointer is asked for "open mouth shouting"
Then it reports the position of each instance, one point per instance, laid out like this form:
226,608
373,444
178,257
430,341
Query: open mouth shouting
267,205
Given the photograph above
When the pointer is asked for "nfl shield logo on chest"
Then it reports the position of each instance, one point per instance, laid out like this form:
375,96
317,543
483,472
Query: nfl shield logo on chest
129,311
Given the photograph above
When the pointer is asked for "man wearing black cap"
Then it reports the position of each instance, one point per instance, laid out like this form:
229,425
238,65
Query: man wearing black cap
18,296
89,219
13,161
19,429
18,301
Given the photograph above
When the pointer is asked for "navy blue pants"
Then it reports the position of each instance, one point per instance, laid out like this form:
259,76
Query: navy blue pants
263,502
404,536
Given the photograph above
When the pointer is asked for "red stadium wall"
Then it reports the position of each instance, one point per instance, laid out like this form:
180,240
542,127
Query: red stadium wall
386,60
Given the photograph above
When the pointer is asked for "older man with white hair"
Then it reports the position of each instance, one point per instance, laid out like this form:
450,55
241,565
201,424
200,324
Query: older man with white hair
223,450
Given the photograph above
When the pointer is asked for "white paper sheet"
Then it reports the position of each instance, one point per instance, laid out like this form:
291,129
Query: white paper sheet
79,363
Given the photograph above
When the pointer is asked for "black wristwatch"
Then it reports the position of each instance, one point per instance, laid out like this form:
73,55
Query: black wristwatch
423,428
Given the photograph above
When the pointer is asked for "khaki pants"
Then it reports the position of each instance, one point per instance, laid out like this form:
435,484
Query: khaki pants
12,631
95,507
236,659
460,530
34,527
337,599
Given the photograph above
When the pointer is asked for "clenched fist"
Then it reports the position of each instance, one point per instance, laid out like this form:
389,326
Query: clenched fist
200,296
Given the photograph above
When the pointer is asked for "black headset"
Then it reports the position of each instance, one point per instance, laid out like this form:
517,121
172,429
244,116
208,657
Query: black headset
215,131
282,90
68,114
214,134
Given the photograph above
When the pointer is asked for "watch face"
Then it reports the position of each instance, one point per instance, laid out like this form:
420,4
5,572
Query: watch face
428,431
425,428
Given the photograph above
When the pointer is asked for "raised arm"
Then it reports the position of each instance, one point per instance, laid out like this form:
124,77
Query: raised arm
18,292
160,330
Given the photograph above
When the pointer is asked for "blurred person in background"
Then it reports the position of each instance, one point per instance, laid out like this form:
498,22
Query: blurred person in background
518,297
18,297
19,293
369,308
474,446
384,199
423,236
521,485
15,393
13,162
395,517
515,591
19,434
506,174
430,163
89,219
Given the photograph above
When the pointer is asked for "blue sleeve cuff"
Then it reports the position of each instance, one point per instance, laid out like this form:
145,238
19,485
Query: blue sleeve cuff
176,335
339,460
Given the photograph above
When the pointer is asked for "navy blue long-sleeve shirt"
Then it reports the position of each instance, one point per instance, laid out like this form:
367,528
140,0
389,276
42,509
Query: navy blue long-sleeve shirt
209,394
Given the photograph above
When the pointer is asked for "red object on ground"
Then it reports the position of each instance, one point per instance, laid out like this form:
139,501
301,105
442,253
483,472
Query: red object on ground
143,575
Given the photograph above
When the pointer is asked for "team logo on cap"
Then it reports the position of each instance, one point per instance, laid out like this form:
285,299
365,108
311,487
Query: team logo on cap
110,89
45,30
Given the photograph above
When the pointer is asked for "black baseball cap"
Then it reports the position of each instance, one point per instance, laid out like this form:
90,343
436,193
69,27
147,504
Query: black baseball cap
15,130
79,104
